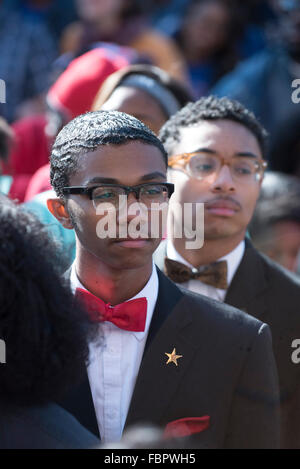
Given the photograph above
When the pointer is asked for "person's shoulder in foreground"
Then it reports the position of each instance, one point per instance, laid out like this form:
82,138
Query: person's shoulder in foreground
43,339
42,427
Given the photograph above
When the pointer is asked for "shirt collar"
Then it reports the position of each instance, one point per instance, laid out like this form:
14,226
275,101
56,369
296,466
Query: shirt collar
233,258
150,291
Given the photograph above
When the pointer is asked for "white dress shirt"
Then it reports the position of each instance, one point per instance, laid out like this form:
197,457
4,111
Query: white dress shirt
115,359
233,261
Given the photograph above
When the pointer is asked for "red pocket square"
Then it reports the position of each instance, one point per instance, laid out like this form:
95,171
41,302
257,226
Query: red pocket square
186,426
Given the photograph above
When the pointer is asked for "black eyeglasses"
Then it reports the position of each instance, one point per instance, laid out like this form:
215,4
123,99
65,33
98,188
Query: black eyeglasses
148,193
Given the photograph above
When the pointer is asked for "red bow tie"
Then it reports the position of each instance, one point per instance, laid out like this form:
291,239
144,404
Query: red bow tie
130,316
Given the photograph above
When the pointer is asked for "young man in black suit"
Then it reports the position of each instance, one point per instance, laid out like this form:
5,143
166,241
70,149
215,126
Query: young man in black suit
165,356
216,153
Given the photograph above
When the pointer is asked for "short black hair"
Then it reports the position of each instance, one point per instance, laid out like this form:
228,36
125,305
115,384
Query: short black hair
86,133
45,333
211,108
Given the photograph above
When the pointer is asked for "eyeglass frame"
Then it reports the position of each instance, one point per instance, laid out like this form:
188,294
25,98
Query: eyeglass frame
128,189
263,164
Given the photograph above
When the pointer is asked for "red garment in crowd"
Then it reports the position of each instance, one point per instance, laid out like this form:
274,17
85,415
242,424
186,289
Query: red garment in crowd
31,148
30,151
18,187
39,182
74,91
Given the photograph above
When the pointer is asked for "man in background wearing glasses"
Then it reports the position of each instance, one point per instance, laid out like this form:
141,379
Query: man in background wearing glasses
216,151
161,355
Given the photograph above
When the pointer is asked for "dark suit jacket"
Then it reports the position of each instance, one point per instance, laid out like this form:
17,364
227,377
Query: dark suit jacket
227,372
41,427
270,293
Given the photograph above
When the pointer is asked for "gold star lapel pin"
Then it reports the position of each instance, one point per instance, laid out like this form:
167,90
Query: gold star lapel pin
172,357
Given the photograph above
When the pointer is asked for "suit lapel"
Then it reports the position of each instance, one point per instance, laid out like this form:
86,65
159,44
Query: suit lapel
157,382
168,297
248,284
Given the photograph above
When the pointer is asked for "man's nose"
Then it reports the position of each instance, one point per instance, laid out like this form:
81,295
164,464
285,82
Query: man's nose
132,199
126,215
224,181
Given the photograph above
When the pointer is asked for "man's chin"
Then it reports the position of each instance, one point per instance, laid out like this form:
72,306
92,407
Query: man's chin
132,253
133,243
220,231
131,262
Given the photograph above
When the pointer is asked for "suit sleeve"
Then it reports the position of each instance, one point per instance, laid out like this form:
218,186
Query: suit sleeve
254,420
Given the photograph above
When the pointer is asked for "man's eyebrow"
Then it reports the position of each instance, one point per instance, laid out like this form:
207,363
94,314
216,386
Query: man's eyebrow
102,180
155,175
244,154
146,177
247,154
204,150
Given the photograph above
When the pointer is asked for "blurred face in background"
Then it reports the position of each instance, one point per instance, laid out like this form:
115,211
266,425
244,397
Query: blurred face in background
206,28
90,10
289,18
139,104
283,243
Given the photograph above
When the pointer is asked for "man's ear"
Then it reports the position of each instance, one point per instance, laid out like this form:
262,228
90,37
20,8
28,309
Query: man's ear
59,210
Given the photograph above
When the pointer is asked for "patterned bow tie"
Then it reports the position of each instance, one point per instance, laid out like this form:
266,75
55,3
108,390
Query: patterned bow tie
130,316
213,274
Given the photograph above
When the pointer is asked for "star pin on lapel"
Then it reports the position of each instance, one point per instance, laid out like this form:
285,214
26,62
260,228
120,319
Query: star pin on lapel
172,357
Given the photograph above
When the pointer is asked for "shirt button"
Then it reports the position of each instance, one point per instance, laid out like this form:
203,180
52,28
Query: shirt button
112,350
